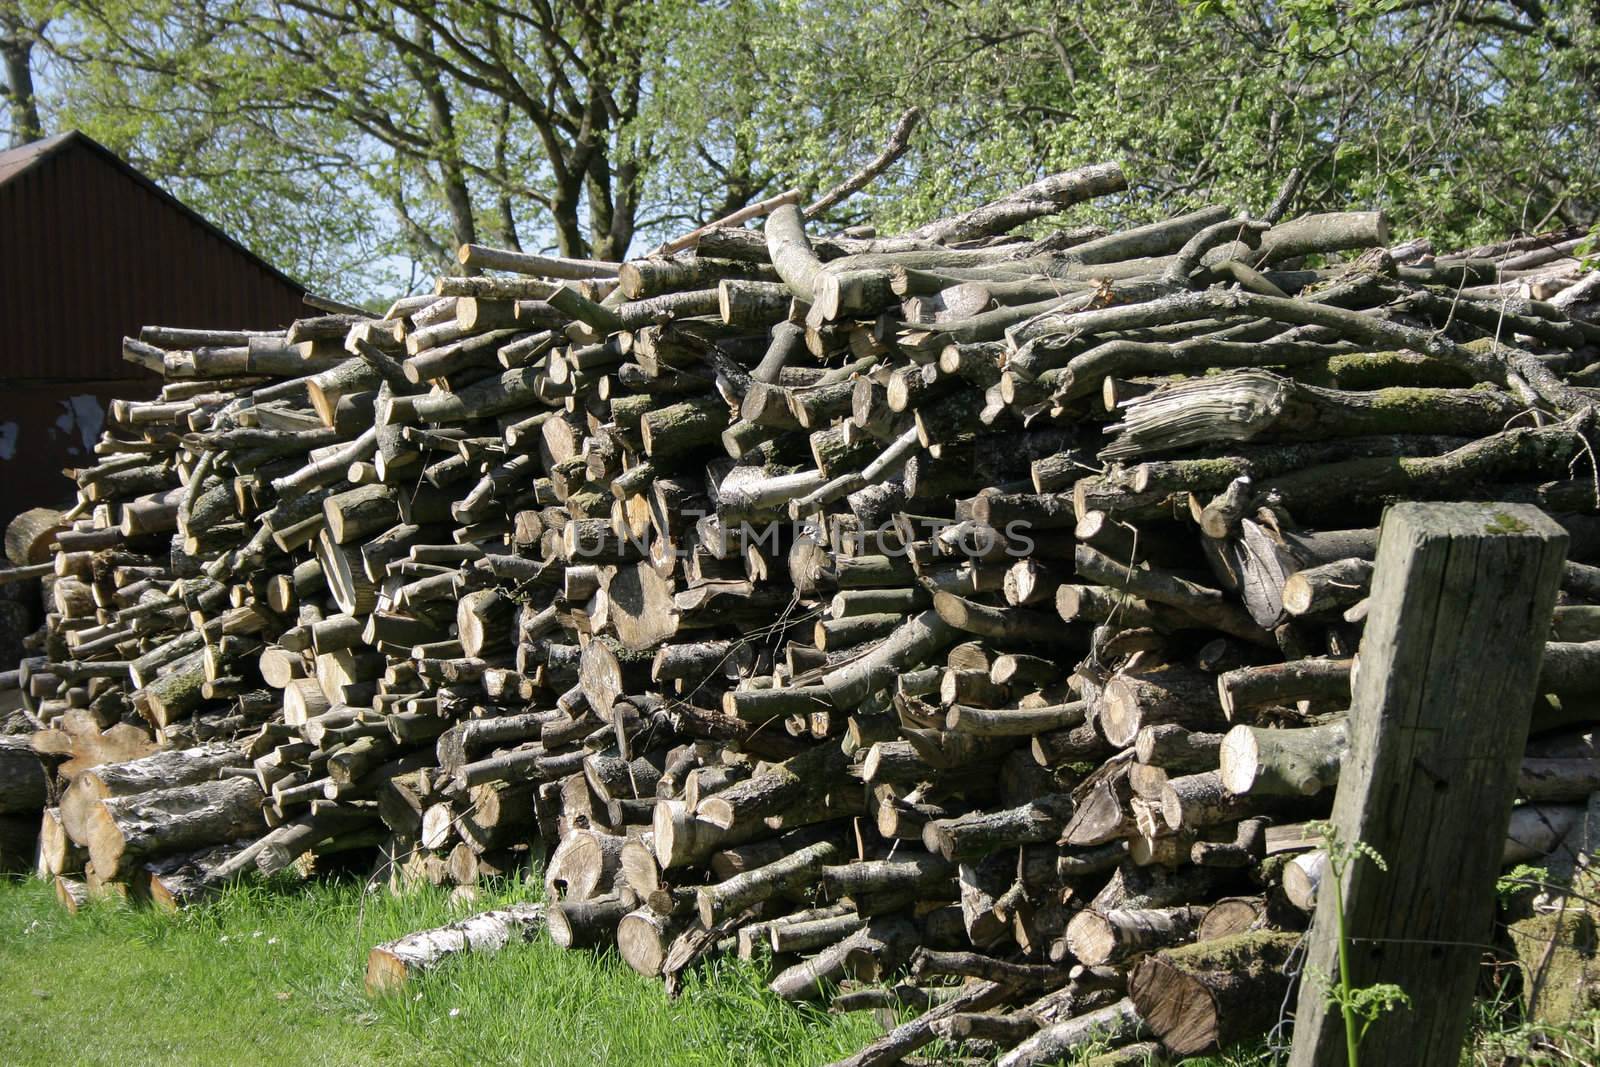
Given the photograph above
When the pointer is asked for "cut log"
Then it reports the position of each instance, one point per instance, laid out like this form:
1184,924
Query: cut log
30,533
1172,695
1115,1024
920,1032
584,867
1207,996
585,923
1299,762
391,965
1101,937
159,770
123,830
644,938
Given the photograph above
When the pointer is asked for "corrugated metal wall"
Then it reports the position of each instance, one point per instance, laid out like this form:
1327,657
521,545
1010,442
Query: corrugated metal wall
46,427
90,253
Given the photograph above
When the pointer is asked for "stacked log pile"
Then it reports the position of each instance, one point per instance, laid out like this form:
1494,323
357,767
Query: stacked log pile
951,619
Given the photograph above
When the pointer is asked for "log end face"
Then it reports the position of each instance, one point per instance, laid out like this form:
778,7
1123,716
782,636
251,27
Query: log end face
826,296
385,972
706,907
1239,758
715,811
1119,714
937,839
1176,1007
105,843
1297,595
1090,938
642,942
951,608
559,926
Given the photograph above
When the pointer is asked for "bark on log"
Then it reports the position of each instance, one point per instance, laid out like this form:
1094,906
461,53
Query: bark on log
1210,995
24,781
1292,762
391,965
1170,695
123,830
159,770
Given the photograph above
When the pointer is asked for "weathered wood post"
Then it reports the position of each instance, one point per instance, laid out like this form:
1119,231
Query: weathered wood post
1462,597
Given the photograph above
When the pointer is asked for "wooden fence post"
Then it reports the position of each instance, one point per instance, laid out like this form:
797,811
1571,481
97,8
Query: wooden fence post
1462,597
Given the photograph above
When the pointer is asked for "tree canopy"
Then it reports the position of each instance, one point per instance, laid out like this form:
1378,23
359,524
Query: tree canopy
358,141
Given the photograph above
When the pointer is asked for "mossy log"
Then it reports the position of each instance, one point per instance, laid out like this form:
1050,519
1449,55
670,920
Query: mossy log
1210,995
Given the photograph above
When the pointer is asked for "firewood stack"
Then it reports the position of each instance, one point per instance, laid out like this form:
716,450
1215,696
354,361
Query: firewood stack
954,619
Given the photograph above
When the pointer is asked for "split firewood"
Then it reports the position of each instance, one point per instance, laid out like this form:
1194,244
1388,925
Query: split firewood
943,605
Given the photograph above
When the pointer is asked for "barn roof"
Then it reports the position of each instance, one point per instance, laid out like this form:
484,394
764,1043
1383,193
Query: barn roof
18,161
91,250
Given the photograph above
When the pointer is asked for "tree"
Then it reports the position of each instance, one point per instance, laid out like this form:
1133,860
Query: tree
353,140
461,114
1464,120
465,120
20,30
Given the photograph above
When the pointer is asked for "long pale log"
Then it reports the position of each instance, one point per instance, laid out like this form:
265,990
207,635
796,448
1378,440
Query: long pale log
1044,197
1114,1024
391,965
470,255
733,219
920,1032
796,870
791,251
875,949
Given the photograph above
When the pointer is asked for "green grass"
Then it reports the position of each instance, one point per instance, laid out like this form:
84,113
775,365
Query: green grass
266,976
274,974
1500,1038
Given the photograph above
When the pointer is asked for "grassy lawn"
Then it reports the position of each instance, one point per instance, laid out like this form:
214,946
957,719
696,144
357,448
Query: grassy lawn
268,974
261,976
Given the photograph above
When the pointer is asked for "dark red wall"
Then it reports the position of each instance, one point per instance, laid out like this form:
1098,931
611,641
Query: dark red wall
46,427
89,252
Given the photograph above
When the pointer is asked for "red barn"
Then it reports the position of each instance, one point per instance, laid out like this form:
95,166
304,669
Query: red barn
91,250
